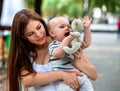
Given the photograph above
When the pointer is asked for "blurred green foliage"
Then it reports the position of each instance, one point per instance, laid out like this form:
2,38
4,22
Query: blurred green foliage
74,8
113,6
29,4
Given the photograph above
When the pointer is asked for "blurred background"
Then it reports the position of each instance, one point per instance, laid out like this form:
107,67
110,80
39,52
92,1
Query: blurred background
104,51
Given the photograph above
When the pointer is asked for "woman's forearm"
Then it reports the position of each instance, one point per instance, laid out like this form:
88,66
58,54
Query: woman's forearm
86,67
40,79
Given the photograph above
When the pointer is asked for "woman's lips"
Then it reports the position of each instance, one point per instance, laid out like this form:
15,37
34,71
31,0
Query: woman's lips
40,39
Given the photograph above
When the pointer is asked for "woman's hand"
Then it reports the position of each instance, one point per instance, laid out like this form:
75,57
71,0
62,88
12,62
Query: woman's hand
76,71
71,79
78,54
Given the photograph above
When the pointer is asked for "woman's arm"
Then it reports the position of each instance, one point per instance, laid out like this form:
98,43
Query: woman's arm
86,67
40,79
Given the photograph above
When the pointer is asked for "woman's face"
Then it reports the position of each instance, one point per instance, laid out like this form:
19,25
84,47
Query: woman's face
35,32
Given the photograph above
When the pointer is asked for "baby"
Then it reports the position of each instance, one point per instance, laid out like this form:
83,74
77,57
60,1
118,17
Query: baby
59,30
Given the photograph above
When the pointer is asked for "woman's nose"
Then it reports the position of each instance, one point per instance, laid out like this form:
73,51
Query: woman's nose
37,33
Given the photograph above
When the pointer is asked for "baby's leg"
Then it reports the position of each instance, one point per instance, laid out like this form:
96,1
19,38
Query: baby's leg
61,86
86,84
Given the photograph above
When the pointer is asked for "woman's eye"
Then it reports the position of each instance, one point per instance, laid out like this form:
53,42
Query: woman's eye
29,34
38,27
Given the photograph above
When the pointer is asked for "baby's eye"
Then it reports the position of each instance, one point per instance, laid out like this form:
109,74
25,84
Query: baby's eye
62,26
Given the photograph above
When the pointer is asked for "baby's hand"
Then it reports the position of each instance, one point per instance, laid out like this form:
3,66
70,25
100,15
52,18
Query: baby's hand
68,38
86,22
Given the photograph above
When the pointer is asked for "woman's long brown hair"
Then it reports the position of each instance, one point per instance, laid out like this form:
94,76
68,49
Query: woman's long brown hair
20,48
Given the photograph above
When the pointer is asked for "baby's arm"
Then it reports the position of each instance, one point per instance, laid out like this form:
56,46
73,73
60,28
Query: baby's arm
59,52
87,32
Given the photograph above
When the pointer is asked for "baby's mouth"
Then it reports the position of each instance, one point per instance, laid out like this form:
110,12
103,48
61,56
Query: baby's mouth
66,34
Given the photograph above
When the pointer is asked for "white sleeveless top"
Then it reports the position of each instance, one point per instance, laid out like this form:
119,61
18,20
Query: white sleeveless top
41,69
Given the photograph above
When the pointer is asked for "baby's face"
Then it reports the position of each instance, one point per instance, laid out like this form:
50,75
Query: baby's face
62,28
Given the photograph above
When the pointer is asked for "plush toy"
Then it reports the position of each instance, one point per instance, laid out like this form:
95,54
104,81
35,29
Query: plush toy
77,28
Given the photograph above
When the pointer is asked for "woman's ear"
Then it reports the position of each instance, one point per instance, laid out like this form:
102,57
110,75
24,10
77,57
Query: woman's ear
51,33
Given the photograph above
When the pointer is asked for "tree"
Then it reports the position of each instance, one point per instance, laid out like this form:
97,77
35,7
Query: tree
113,6
38,6
73,8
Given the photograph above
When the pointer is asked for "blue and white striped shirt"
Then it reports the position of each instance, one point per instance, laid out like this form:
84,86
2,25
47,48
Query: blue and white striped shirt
57,63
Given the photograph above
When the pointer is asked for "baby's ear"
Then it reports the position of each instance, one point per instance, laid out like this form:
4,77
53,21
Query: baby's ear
51,33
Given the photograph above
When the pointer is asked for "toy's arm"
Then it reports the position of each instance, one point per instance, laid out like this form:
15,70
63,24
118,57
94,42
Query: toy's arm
75,34
87,32
58,52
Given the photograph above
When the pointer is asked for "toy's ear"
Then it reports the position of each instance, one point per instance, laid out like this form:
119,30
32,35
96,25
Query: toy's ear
51,33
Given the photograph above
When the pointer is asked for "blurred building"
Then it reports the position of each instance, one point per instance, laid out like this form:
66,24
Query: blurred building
10,7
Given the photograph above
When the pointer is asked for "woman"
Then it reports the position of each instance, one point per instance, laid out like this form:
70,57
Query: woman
28,60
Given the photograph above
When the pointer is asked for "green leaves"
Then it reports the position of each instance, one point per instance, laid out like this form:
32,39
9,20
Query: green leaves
72,8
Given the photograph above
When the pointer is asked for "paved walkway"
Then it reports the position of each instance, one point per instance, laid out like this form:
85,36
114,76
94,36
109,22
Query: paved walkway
2,79
104,53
